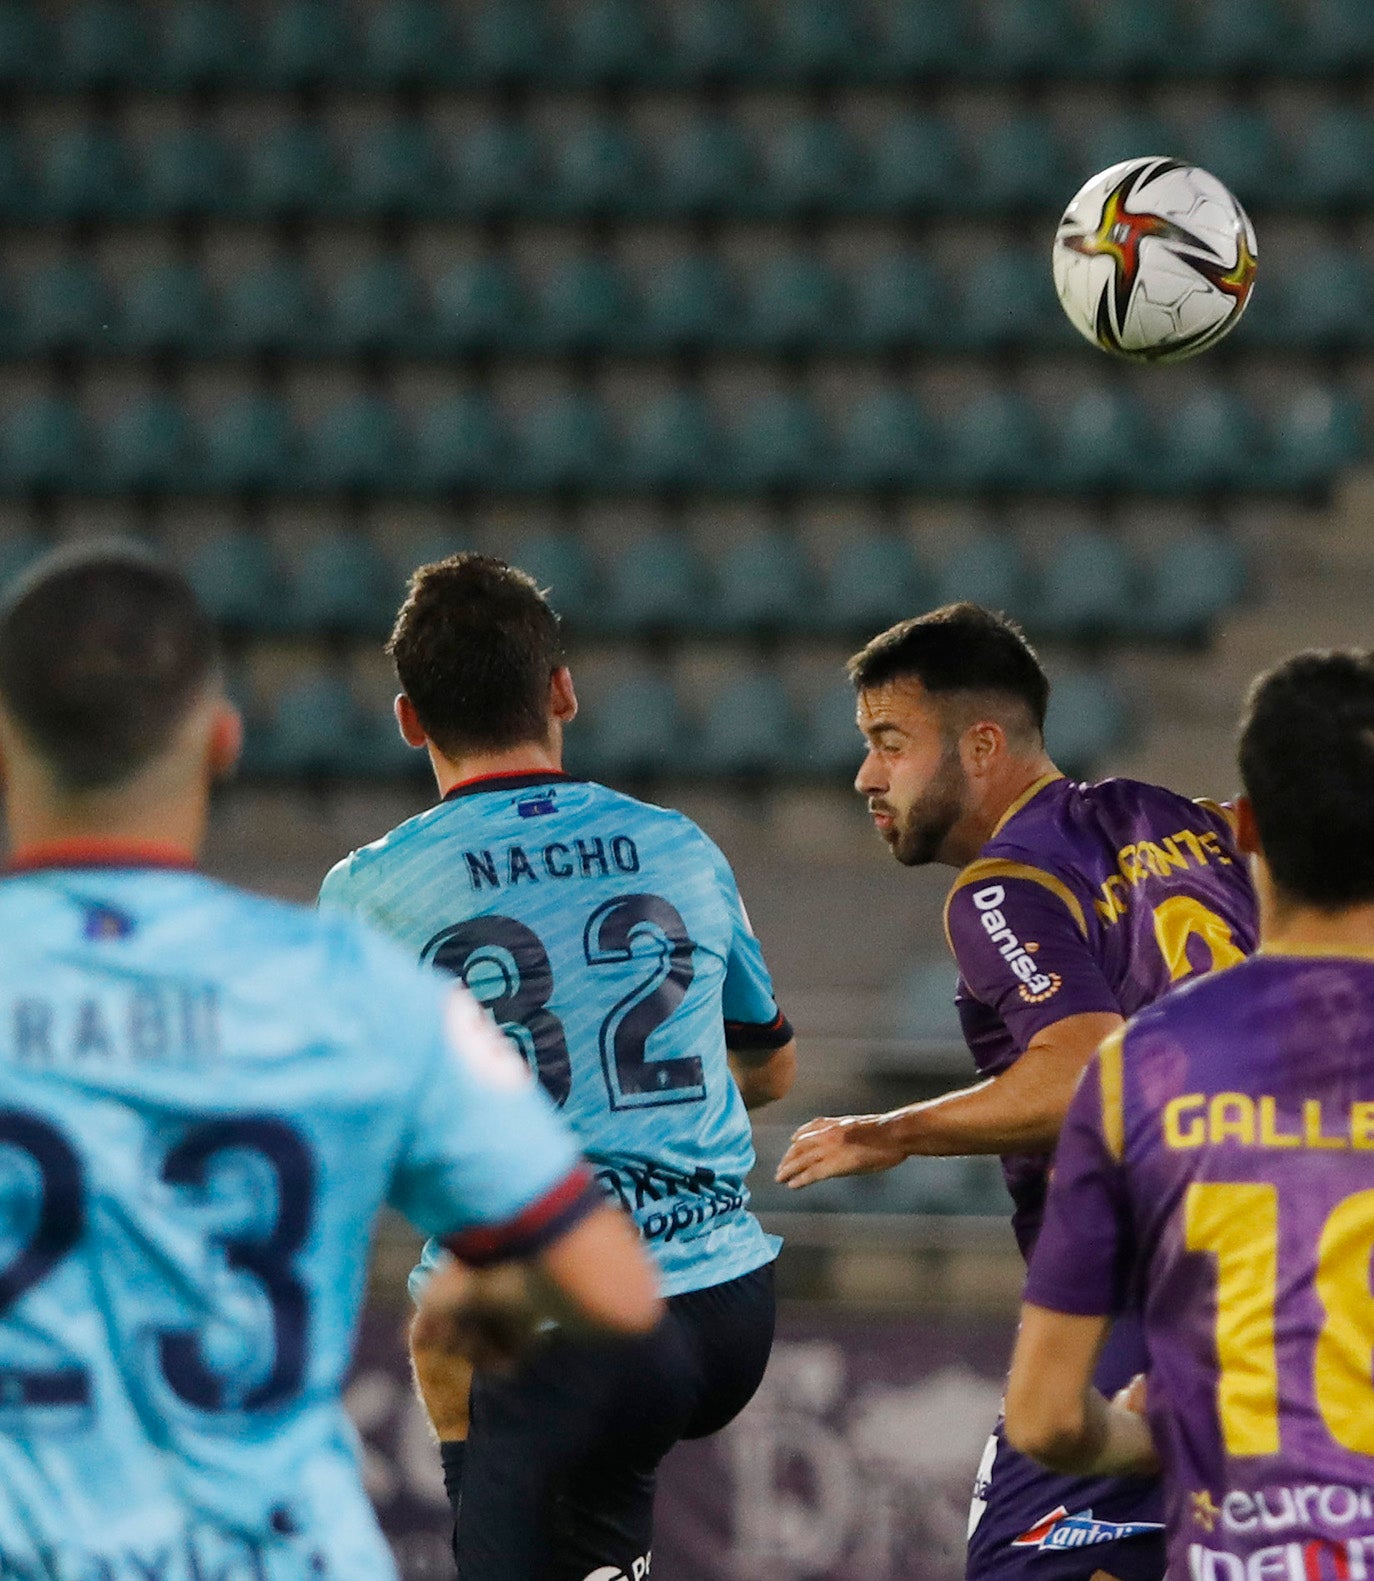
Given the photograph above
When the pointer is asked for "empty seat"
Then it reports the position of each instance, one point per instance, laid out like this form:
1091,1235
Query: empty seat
689,303
1132,38
807,166
1018,166
919,38
1313,437
237,581
779,442
889,442
479,306
748,729
706,167
1240,146
460,444
1006,300
1240,37
560,563
310,732
1207,442
83,173
586,305
792,304
915,165
1333,157
672,443
816,40
656,583
1085,721
409,43
290,169
167,309
990,569
1338,37
45,445
493,168
379,306
595,169
249,446
65,307
897,302
1088,587
873,583
341,584
148,445
271,307
395,169
359,446
711,41
306,43
831,745
566,443
1102,440
606,42
17,197
104,44
26,47
1131,133
507,43
1029,38
995,443
188,171
762,584
920,1006
636,730
1193,579
17,554
207,44
1323,301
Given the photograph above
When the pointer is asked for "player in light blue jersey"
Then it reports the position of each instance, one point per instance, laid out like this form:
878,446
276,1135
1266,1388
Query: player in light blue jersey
205,1098
607,938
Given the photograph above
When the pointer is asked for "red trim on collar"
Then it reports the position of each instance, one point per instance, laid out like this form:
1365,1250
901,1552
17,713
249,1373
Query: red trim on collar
515,779
97,853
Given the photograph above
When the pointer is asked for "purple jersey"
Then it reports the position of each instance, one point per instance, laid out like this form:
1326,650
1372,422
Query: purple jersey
1089,898
1212,1165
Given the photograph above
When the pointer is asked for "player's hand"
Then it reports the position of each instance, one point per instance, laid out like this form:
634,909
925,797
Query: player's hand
853,1144
1133,1397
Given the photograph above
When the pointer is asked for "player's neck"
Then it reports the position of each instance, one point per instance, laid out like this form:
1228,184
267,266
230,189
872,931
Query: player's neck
534,757
1010,792
1287,929
173,828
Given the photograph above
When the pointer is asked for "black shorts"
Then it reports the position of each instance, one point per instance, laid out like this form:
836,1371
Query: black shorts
558,1474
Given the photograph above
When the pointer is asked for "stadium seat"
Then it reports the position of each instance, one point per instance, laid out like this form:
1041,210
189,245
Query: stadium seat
1102,441
808,167
168,309
379,752
26,45
1333,157
919,39
1129,134
566,443
17,553
1131,38
341,585
493,169
635,731
1019,167
1338,38
395,170
706,167
1088,588
995,444
762,584
479,307
560,563
815,40
1192,581
237,581
595,169
920,1006
897,302
249,446
83,174
1323,301
585,305
359,446
689,303
605,43
711,41
657,583
672,444
311,731
915,166
271,307
507,43
1240,146
1207,442
410,43
65,308
148,447
104,44
748,729
1006,301
207,44
306,44
1029,38
830,744
793,304
1240,38
889,442
290,170
778,443
188,172
378,307
988,568
1086,720
460,444
1313,437
873,583
45,445
18,200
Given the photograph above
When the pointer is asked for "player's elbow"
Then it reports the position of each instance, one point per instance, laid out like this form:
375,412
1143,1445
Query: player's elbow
1048,1427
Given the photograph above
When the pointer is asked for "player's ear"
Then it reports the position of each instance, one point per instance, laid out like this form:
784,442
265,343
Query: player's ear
562,697
408,721
225,745
1247,830
982,745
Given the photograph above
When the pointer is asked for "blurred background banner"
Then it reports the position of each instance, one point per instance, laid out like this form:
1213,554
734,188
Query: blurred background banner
855,1462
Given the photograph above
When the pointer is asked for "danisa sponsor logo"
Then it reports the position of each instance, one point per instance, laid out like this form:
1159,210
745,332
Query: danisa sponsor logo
1059,1530
1035,985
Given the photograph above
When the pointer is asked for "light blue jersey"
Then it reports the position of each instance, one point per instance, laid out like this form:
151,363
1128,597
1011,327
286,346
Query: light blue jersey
205,1098
607,938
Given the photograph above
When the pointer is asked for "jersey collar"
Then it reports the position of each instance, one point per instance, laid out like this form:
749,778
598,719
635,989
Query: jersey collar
1023,800
97,853
479,784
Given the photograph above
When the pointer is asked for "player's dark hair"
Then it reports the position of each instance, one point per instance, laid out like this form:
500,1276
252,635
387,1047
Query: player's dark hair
103,652
960,648
1307,764
474,646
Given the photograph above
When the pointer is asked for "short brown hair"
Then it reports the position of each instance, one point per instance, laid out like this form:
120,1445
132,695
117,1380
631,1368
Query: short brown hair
103,653
475,645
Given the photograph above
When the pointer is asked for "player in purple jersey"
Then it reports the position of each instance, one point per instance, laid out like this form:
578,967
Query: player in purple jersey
1212,1169
1075,906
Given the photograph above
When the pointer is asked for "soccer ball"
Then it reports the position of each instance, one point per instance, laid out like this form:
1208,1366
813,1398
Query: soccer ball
1154,260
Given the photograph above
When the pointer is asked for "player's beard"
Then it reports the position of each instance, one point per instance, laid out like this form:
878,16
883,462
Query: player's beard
919,833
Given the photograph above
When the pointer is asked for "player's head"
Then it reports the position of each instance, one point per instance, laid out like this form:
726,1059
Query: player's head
479,656
946,702
110,686
1307,766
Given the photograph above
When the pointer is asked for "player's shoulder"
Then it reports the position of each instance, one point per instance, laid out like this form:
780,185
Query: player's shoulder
679,832
380,857
1109,801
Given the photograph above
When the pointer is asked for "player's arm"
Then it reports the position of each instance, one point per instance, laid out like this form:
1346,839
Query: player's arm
1022,948
1080,1273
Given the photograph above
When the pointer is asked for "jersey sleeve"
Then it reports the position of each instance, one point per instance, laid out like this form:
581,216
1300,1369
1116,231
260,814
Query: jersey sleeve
335,891
487,1166
753,1020
1020,937
1084,1259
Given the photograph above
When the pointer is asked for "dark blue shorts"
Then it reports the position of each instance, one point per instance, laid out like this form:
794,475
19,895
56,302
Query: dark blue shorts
559,1470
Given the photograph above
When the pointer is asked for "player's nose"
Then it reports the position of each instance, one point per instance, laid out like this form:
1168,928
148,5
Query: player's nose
868,781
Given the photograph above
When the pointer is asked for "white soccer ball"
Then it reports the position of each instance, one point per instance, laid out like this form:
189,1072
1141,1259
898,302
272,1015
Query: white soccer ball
1154,260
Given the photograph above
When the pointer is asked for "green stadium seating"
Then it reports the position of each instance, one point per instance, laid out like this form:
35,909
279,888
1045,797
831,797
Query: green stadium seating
793,304
1086,720
1132,38
1338,38
989,568
187,173
919,38
395,170
379,752
1088,588
595,169
460,444
1208,442
104,44
207,44
237,581
1239,37
586,305
762,585
873,583
341,585
889,442
494,169
636,731
148,447
566,444
377,307
1193,580
689,303
921,1004
83,174
26,47
359,446
410,44
1241,146
831,745
560,563
507,43
607,43
897,301
706,167
995,445
1128,134
1006,300
271,307
808,167
45,446
306,43
1019,167
1313,437
290,170
915,165
17,554
249,446
778,443
65,308
816,40
672,444
1029,38
657,583
1333,157
748,729
479,307
1323,301
312,730
710,41
17,197
1102,442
